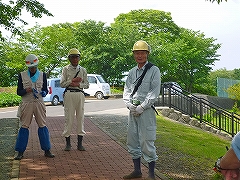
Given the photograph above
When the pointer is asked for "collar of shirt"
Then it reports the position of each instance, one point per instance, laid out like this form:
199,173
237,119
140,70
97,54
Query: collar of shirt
74,67
139,71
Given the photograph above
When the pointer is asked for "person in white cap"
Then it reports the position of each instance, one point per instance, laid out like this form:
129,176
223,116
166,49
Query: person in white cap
32,87
74,79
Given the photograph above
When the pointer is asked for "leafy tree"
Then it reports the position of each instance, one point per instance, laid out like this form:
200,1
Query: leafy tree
10,13
236,74
186,59
234,92
182,55
97,52
148,22
55,42
135,25
50,44
221,73
11,58
218,1
197,57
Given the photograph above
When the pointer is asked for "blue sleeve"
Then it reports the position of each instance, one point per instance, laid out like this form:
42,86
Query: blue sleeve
44,88
20,90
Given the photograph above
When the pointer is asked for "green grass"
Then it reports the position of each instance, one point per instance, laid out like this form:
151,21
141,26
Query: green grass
203,148
201,143
115,90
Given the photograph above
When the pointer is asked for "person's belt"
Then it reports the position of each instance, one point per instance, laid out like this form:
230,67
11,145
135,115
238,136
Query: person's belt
74,90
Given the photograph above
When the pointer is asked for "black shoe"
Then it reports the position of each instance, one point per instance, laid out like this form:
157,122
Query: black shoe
133,175
19,156
49,154
67,148
149,178
81,148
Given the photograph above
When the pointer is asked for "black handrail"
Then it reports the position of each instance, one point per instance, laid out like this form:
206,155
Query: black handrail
205,111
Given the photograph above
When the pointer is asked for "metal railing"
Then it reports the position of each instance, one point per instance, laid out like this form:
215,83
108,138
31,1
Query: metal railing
199,108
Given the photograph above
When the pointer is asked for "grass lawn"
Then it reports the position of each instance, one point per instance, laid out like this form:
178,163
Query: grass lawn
192,148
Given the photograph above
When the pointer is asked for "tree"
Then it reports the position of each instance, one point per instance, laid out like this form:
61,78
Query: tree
148,22
182,55
220,73
234,92
197,56
96,51
50,44
218,1
186,59
54,43
10,13
135,25
10,66
236,74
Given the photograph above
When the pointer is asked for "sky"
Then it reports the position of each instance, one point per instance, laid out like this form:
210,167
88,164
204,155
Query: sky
220,21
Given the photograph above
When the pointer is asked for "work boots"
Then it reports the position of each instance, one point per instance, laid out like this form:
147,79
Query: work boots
80,146
49,154
68,144
137,170
19,156
151,167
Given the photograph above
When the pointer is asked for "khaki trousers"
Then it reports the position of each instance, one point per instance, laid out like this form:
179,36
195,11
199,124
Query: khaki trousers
74,106
28,109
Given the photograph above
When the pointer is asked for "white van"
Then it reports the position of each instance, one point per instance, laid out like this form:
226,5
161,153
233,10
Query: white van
97,88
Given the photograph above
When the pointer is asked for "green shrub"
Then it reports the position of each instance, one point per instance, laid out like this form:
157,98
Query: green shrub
9,99
116,90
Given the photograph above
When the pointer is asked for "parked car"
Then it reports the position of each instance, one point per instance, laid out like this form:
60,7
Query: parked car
55,91
98,87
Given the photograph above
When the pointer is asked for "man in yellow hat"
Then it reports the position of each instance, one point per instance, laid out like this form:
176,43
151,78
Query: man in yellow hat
74,79
141,132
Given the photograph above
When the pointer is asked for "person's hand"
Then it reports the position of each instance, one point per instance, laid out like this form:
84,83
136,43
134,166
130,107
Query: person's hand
74,84
231,174
29,89
43,93
77,79
139,109
132,107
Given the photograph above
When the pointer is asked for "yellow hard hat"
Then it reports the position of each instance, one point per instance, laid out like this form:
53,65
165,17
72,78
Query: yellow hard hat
31,60
73,51
141,46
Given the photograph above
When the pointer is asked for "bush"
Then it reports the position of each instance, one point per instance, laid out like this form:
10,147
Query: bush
9,99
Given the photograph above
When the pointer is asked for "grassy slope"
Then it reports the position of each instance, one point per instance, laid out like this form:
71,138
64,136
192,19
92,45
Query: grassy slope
190,147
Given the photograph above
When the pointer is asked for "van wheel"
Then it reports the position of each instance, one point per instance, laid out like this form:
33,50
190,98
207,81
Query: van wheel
99,95
55,101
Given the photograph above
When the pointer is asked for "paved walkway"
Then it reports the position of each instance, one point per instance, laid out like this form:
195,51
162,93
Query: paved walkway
104,158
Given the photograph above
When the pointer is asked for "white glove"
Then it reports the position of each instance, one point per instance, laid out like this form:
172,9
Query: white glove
139,109
131,107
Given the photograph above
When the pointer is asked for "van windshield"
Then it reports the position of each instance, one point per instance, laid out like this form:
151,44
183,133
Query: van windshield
101,80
